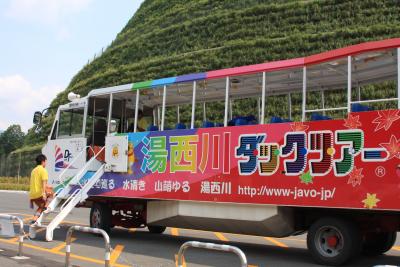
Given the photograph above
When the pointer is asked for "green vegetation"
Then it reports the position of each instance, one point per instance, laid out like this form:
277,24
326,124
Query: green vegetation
12,183
19,162
14,160
168,38
11,139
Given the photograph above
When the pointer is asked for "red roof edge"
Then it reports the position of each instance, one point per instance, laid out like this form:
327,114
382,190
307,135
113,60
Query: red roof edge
309,60
269,66
352,50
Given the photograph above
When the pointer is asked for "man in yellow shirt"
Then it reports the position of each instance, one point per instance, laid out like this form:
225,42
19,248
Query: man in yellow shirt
38,183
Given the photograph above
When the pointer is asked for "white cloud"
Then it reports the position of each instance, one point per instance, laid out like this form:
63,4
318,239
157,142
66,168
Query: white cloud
18,100
52,14
63,33
44,11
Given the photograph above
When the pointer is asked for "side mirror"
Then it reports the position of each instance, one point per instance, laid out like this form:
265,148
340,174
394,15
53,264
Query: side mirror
37,117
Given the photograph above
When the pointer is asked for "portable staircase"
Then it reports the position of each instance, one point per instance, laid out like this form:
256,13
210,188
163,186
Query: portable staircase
71,193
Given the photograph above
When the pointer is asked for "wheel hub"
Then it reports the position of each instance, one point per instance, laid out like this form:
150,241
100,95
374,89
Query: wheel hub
332,241
329,241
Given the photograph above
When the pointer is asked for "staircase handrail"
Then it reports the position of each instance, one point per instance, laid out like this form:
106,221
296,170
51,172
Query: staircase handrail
79,174
84,169
69,198
60,177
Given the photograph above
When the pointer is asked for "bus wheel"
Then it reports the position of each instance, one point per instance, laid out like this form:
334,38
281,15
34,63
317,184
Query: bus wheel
100,217
155,229
333,241
378,243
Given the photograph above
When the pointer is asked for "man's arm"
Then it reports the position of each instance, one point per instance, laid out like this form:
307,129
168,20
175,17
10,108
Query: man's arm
44,189
45,177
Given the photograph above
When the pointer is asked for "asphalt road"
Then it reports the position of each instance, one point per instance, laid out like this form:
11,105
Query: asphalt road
139,248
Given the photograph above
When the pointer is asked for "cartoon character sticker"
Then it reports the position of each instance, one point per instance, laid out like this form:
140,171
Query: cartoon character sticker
115,151
131,157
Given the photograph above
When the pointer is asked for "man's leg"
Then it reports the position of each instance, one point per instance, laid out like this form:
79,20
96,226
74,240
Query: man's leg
49,196
40,203
47,202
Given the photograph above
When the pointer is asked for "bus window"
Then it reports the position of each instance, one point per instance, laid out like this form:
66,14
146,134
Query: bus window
374,81
53,135
210,103
277,106
178,110
129,115
245,99
96,123
150,108
117,114
71,122
326,96
283,102
89,125
123,110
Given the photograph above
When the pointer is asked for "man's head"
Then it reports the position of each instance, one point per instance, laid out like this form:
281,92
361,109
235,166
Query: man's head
41,160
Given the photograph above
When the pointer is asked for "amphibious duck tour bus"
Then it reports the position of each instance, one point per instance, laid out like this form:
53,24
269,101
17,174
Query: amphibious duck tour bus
275,149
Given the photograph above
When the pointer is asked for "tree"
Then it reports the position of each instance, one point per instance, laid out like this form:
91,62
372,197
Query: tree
11,139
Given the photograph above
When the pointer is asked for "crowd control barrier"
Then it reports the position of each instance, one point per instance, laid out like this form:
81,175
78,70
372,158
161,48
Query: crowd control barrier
21,230
87,230
211,246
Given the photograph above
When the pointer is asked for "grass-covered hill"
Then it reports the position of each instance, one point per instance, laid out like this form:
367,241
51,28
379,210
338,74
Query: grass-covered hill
172,37
167,38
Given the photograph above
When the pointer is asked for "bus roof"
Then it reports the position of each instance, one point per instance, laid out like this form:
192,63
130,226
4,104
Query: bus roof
257,68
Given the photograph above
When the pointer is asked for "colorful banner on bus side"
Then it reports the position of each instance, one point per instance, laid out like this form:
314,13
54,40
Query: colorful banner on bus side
350,163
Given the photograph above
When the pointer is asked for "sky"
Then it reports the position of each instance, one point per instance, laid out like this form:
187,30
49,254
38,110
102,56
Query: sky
44,43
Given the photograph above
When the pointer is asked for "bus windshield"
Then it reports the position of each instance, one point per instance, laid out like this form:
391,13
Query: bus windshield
71,122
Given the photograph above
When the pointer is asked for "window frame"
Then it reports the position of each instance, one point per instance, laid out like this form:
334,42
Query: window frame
76,105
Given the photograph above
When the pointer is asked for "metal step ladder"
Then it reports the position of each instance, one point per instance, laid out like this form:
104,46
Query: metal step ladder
68,197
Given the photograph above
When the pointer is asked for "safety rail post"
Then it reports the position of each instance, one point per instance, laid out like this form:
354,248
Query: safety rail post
164,97
263,91
211,246
87,230
290,105
21,230
349,84
226,101
304,94
193,105
137,111
110,105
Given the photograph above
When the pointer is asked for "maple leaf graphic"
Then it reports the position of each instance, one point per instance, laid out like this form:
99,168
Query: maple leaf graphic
386,119
355,177
371,201
352,122
392,148
306,178
298,126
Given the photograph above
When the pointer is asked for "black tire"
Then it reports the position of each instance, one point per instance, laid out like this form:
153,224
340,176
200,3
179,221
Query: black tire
378,243
155,229
333,241
100,217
